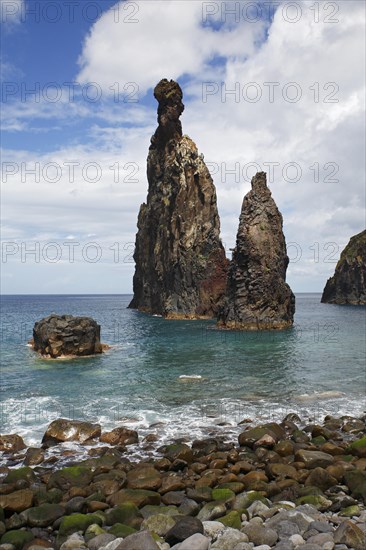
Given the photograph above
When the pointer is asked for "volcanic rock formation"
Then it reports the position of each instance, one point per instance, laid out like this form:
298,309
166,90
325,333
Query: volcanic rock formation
181,266
348,284
65,335
257,296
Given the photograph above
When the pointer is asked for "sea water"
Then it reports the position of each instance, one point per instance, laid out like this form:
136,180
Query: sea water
180,379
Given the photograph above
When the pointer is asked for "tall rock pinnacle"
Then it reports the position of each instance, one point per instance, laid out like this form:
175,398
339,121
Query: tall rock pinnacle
257,295
181,267
348,284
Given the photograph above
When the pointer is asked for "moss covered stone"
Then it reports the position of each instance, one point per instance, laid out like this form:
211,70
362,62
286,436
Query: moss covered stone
244,500
54,496
232,519
318,501
25,473
179,451
159,524
119,530
318,440
77,522
222,494
72,476
43,515
235,486
356,481
124,513
138,497
350,511
358,447
93,531
18,538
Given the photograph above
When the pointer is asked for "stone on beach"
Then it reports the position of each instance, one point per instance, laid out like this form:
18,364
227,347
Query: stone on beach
63,429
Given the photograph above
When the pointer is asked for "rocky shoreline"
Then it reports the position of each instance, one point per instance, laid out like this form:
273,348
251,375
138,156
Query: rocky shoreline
288,486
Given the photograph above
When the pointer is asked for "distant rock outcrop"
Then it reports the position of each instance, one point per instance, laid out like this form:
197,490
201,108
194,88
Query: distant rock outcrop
65,335
181,267
257,296
348,284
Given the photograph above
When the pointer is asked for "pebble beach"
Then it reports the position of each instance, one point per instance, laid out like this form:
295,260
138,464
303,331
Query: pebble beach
291,485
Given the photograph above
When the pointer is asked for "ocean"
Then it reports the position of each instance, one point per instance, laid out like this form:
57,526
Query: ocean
180,379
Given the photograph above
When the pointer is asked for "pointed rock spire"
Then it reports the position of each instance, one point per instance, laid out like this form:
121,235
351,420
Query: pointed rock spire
181,267
257,296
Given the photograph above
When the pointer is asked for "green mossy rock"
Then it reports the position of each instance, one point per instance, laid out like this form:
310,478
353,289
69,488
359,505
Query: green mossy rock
310,490
138,497
358,447
350,511
119,530
346,458
232,519
17,538
43,515
124,513
244,500
179,451
318,501
356,481
318,440
249,437
235,486
77,522
212,510
25,473
159,524
72,476
222,494
300,437
93,531
54,496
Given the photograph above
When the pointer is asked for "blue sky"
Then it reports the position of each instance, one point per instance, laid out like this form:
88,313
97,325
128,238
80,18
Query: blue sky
74,153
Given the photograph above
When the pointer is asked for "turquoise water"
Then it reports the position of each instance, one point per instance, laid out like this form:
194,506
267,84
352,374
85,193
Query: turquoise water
316,368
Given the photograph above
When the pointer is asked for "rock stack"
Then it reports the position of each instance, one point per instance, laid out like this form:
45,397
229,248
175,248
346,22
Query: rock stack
257,296
65,335
348,284
181,267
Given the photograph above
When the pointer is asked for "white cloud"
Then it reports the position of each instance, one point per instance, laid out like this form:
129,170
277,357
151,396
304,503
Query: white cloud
325,139
168,38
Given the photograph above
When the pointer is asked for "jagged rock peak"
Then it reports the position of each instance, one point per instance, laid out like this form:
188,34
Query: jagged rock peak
257,295
348,284
181,267
169,96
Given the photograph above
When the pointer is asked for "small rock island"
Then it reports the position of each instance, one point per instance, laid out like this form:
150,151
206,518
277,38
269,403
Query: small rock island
348,284
67,336
257,295
181,266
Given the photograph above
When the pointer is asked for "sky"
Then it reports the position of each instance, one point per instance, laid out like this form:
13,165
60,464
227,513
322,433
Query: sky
272,86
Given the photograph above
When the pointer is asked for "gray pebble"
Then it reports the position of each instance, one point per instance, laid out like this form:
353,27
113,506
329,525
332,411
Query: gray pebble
195,542
321,526
287,528
100,540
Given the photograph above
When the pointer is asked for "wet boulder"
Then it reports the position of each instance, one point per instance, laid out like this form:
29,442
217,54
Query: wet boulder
65,335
